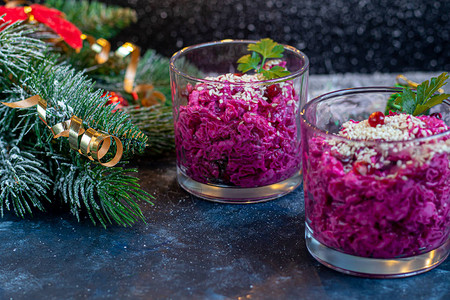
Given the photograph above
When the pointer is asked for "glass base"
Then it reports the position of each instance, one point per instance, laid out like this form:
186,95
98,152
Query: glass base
238,195
375,267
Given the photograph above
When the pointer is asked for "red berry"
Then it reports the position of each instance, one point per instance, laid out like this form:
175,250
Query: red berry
437,115
272,91
362,168
189,88
376,118
115,98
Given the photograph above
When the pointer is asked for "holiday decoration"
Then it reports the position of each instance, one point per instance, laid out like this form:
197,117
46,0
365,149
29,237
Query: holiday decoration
70,100
142,80
36,169
93,144
115,98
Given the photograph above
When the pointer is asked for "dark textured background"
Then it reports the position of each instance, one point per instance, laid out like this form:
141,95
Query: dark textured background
338,35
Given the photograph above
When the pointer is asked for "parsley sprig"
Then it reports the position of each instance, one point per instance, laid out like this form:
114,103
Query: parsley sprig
265,48
425,97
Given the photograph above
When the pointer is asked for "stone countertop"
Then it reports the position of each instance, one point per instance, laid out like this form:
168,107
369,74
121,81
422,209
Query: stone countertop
191,248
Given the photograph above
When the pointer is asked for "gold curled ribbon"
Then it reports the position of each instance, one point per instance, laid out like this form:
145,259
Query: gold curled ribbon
103,48
130,74
93,144
410,83
99,46
150,96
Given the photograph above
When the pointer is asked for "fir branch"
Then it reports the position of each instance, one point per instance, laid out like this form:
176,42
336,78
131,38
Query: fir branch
154,69
23,180
17,48
69,93
95,18
108,195
157,123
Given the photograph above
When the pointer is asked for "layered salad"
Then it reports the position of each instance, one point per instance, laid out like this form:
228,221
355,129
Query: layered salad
237,131
380,187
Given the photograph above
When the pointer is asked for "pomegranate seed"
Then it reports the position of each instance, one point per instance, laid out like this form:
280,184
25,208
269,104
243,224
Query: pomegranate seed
376,118
437,115
362,168
189,88
272,91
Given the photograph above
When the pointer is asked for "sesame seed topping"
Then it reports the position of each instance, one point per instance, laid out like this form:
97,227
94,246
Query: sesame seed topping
398,127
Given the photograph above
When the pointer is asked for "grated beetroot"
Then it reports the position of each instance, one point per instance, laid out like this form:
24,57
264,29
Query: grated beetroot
239,135
399,209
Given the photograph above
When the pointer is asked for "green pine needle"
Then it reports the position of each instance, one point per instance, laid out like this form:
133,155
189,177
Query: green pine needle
157,123
107,195
24,183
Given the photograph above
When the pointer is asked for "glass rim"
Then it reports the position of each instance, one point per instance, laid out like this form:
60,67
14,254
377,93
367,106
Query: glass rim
360,90
293,75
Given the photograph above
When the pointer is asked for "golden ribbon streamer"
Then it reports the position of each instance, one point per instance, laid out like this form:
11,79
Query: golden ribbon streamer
93,144
102,47
130,74
410,83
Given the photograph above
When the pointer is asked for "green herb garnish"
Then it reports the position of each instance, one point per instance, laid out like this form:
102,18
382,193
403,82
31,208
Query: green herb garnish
425,97
266,48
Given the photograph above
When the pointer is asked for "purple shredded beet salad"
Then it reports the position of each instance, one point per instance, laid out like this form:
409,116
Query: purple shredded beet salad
237,134
372,201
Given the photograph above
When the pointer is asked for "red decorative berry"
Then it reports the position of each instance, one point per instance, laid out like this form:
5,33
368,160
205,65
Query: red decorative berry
437,115
272,91
362,168
376,118
115,98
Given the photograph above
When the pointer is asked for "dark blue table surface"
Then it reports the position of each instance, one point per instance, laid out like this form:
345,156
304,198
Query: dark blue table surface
189,248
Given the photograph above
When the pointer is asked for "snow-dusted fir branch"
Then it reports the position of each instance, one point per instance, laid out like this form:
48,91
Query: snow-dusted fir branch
107,195
17,48
33,163
69,93
23,181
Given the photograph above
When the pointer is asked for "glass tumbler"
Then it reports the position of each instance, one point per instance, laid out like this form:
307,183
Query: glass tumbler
237,136
387,220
